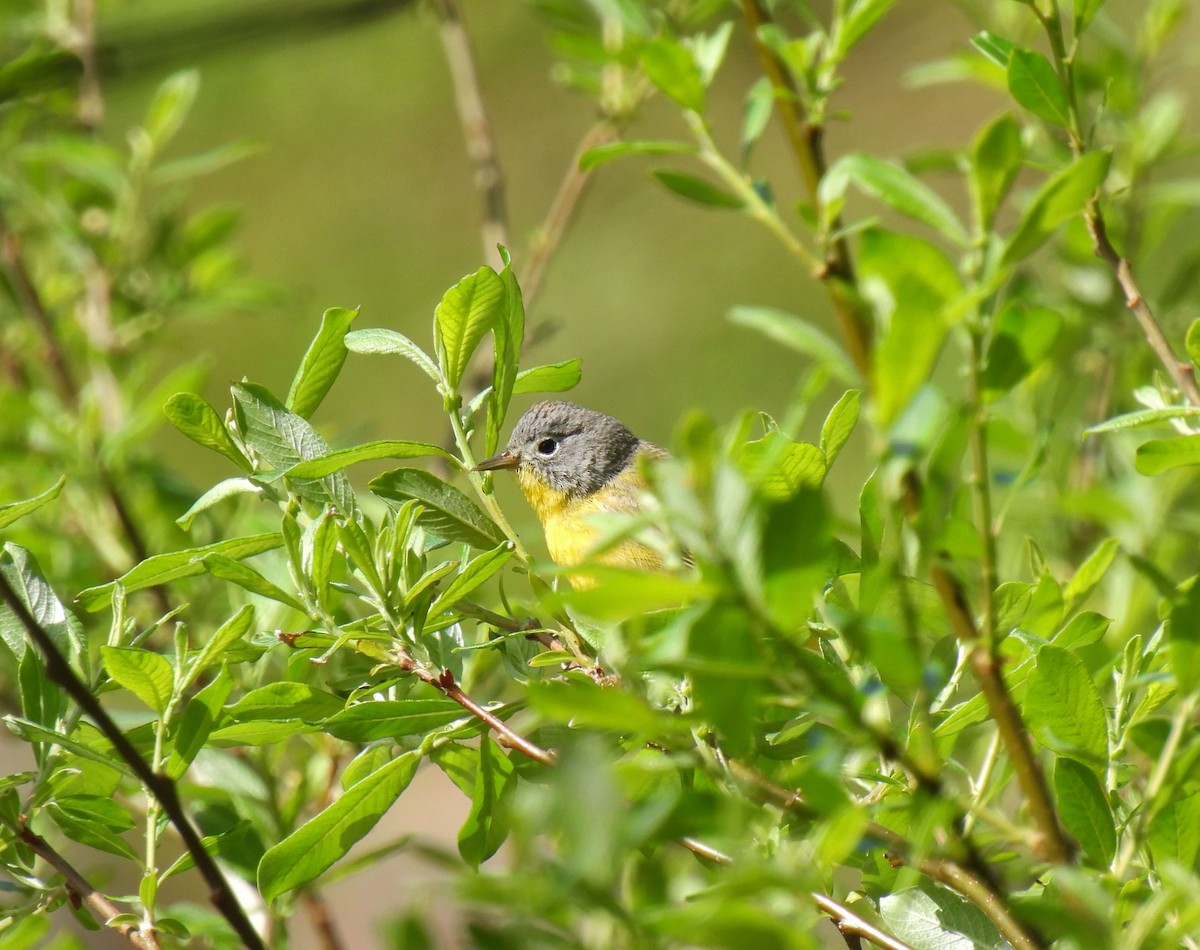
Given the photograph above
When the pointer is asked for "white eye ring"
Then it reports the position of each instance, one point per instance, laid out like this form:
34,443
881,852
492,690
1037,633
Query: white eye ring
547,447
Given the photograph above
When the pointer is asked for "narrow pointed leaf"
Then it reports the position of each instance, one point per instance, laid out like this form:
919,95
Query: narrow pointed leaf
312,848
322,362
16,510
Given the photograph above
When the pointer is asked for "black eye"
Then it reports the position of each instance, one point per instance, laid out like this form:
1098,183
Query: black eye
547,447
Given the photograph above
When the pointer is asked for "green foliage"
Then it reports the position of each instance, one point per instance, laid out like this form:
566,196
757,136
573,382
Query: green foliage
959,707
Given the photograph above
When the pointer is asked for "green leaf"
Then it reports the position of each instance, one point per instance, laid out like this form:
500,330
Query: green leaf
936,918
218,493
93,821
226,568
284,439
779,467
1174,833
322,362
307,852
380,340
467,311
285,700
895,186
801,336
229,633
200,717
727,675
476,572
446,511
391,719
600,154
917,282
196,419
839,424
171,103
33,732
1090,572
996,157
995,48
508,334
673,69
697,189
259,732
1192,342
1085,10
16,510
1062,197
1035,85
1064,709
585,704
21,570
1143,417
862,16
1183,634
368,451
760,102
1085,811
147,675
1021,341
163,568
1161,455
486,826
551,378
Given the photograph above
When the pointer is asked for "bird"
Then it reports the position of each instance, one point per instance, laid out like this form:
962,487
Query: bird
573,463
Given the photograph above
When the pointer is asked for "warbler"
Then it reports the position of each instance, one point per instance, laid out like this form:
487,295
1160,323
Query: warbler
572,463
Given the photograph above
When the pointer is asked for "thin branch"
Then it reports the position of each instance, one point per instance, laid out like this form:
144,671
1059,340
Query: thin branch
31,302
507,736
1180,371
82,891
322,920
1055,846
696,846
851,925
477,130
160,786
566,199
807,141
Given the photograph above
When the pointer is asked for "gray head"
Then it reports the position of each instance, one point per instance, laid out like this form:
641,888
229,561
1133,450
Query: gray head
574,450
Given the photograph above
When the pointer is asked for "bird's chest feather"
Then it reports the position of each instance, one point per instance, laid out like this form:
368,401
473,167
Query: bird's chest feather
567,521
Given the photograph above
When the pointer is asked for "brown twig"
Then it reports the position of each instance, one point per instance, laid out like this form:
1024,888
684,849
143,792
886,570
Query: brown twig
849,924
507,736
1055,846
1180,371
160,786
562,208
477,130
82,891
807,141
322,920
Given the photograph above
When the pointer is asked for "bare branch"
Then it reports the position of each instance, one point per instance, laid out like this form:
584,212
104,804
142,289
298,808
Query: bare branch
566,199
504,733
477,130
1180,371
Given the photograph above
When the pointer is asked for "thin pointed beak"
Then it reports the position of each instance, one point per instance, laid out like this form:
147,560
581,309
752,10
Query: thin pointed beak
503,460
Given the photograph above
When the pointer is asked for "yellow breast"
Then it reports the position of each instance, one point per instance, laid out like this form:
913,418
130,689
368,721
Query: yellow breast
570,534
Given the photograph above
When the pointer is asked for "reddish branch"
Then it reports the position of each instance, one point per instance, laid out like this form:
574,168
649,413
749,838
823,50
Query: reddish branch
82,892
